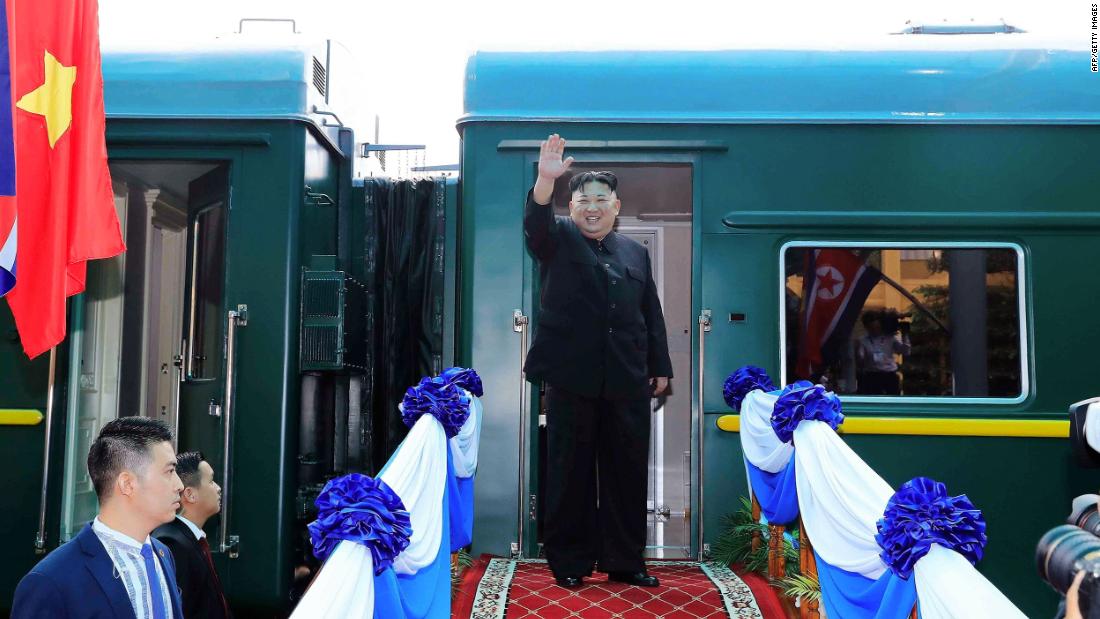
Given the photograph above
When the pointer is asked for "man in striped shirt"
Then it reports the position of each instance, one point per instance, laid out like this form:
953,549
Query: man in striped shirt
112,568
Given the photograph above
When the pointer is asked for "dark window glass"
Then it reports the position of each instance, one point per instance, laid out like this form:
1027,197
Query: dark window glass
914,321
208,237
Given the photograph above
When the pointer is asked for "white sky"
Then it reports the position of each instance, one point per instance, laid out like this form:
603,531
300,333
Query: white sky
412,55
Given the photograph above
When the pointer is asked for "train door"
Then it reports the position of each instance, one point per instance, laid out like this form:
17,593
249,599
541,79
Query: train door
657,207
149,333
668,500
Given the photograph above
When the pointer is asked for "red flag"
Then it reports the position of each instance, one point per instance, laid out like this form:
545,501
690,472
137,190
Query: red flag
64,202
835,286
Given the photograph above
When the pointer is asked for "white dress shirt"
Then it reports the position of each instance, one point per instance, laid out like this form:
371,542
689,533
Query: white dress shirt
877,352
125,553
199,533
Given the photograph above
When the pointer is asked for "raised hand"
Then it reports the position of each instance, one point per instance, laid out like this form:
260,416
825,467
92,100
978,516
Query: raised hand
551,165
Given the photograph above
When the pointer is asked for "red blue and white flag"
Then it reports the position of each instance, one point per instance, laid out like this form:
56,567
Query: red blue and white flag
835,287
63,201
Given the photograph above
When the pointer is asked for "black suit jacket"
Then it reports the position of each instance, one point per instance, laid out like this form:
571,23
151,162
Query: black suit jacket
198,585
599,330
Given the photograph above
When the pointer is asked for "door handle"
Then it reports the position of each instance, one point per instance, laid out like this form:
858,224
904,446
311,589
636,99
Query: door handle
230,544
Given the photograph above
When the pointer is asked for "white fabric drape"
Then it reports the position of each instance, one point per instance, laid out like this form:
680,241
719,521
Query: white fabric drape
761,446
464,444
948,587
1092,426
344,588
841,500
417,472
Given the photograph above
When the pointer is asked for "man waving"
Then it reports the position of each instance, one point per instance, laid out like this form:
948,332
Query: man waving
600,347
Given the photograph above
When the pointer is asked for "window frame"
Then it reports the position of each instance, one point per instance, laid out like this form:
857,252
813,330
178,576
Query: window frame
1021,301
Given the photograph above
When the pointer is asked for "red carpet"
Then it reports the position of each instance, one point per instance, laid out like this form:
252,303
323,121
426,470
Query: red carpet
497,588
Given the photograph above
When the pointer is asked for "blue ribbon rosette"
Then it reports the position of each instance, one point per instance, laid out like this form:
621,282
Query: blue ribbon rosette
439,398
796,386
742,382
466,378
360,509
801,403
921,514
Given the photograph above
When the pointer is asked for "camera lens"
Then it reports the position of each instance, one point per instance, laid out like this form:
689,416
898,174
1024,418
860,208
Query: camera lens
1084,514
1064,551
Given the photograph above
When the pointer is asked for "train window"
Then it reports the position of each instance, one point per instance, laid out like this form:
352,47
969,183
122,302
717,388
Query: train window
208,238
916,321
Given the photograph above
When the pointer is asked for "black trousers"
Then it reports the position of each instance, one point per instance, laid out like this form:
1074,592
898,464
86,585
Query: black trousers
598,451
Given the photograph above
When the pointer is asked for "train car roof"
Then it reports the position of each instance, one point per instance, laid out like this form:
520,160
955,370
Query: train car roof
223,80
993,79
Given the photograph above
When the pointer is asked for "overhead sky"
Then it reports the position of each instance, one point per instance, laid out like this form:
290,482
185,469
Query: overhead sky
410,56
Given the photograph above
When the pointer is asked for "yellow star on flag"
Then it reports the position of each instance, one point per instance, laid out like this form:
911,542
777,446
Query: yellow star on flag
53,99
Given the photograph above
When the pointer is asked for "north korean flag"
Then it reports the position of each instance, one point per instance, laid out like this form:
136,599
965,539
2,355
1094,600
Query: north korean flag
835,287
64,205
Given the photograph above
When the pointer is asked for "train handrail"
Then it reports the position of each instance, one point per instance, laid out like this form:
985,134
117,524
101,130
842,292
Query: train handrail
230,544
519,325
704,328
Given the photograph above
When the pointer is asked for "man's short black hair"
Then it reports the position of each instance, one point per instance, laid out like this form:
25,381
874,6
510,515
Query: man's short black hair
870,316
187,467
123,444
583,178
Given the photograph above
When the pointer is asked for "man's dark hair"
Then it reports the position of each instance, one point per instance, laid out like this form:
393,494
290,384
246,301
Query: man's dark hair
583,178
123,444
187,467
871,316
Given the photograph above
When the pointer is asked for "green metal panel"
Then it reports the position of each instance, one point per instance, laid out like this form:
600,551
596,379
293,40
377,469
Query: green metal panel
329,341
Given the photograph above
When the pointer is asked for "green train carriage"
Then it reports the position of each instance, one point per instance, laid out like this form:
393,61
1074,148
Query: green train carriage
238,314
957,165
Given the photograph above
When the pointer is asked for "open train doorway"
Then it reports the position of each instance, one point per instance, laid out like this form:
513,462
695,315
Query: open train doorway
147,332
657,213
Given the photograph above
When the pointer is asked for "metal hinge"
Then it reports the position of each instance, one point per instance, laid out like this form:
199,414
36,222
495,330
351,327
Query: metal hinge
532,506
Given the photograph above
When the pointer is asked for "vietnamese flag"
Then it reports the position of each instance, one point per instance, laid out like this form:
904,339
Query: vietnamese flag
64,204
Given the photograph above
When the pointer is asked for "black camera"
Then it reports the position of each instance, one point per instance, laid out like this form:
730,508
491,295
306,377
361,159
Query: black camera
1070,548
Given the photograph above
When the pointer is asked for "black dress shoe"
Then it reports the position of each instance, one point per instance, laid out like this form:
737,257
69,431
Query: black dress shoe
638,579
570,582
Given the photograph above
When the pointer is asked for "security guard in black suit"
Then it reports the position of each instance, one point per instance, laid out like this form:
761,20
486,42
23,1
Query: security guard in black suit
601,349
200,587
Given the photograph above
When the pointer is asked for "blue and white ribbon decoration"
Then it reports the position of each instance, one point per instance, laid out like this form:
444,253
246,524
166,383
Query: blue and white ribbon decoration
432,473
743,382
360,509
797,404
768,462
878,551
440,398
